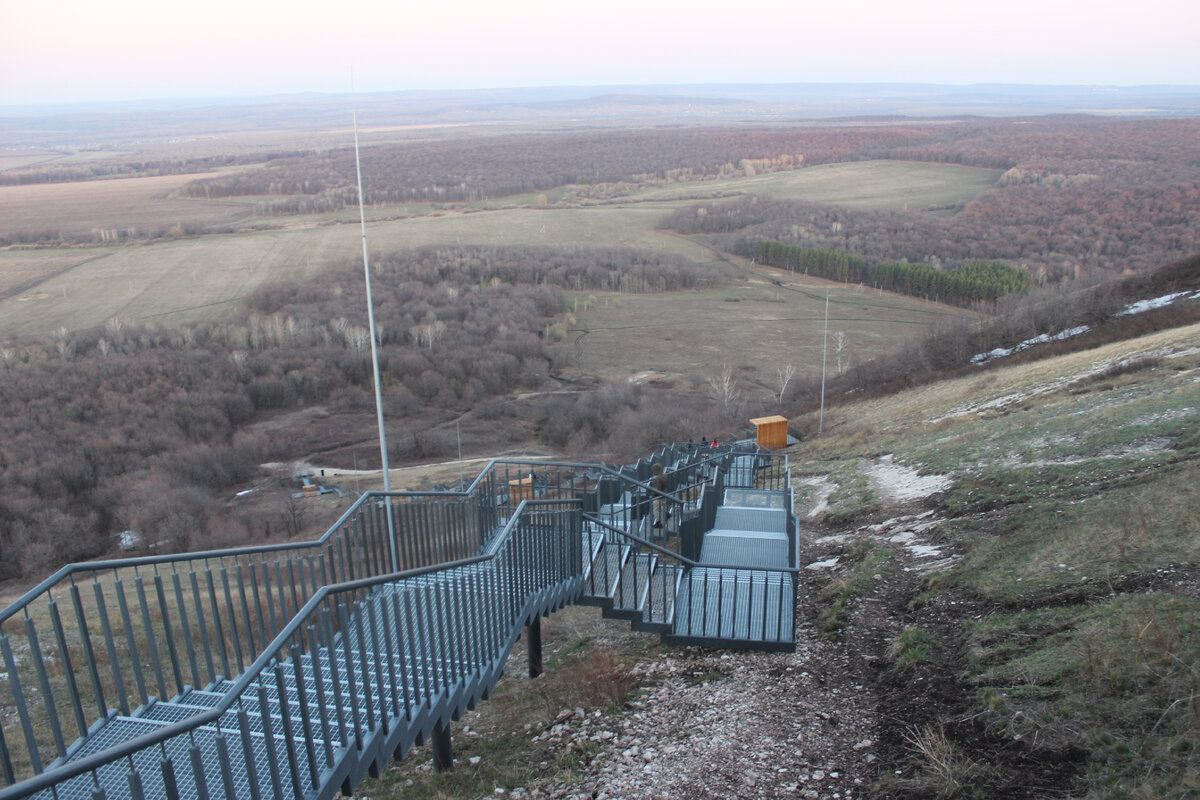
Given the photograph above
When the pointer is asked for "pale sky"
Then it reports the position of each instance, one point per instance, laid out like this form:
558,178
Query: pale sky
74,50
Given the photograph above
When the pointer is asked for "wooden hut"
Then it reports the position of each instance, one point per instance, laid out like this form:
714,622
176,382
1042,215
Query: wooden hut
519,490
772,432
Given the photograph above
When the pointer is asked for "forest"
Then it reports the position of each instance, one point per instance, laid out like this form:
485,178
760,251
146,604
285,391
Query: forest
489,167
970,283
1079,196
140,427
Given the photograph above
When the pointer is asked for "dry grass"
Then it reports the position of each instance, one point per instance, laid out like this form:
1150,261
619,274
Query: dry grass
943,771
940,408
80,208
862,184
599,677
20,269
753,326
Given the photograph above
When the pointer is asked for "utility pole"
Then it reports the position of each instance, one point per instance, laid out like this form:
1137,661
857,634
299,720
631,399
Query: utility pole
458,431
824,343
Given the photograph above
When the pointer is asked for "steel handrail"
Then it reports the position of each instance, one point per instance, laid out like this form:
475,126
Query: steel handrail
72,769
79,567
354,555
687,562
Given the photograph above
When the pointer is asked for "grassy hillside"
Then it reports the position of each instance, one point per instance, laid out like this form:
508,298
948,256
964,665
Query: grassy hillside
1049,645
1000,601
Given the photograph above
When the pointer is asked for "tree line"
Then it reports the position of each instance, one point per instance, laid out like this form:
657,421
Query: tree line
1062,224
972,282
141,427
461,170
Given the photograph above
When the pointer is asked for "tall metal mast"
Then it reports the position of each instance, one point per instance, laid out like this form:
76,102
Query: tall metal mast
824,348
383,453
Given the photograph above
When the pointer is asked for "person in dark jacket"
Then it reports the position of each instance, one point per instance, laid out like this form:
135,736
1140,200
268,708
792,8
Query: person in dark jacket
659,482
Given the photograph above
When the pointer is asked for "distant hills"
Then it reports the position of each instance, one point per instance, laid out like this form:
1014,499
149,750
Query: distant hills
581,105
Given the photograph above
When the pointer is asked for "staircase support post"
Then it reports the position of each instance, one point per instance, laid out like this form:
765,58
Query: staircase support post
533,643
443,751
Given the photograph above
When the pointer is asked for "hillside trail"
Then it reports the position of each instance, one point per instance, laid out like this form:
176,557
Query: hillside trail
819,723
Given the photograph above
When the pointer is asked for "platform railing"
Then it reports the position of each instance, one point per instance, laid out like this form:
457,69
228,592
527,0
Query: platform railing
349,712
109,637
657,594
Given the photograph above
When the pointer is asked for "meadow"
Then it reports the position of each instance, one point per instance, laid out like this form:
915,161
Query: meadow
81,207
755,326
197,278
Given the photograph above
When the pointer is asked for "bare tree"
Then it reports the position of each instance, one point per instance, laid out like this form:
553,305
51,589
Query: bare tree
785,375
726,392
292,513
840,340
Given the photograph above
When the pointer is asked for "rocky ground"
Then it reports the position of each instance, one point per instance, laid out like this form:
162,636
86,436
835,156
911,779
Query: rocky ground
811,724
835,719
732,725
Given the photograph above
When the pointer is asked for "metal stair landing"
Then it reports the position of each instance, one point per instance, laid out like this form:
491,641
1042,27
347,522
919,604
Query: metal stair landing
742,594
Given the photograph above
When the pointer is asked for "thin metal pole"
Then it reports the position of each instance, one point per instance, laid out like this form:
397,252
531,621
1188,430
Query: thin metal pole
821,419
383,454
458,431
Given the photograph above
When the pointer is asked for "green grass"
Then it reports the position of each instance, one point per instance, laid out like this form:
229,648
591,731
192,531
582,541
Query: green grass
1120,678
1051,545
910,647
1074,512
865,564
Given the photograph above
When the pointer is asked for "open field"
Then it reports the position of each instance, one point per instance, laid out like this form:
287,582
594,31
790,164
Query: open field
22,269
861,184
25,158
172,282
86,206
192,279
753,325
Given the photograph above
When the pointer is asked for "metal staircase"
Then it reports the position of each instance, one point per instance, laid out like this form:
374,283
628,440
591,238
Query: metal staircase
296,670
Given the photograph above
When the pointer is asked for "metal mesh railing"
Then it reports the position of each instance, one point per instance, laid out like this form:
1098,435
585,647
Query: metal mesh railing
111,636
360,669
113,639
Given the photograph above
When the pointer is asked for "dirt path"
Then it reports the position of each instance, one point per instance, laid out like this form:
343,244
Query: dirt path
833,720
813,724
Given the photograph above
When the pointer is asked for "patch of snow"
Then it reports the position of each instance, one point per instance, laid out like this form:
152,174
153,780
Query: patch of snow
908,539
244,492
906,531
824,490
1050,387
828,563
1003,352
129,540
1142,306
899,482
924,550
